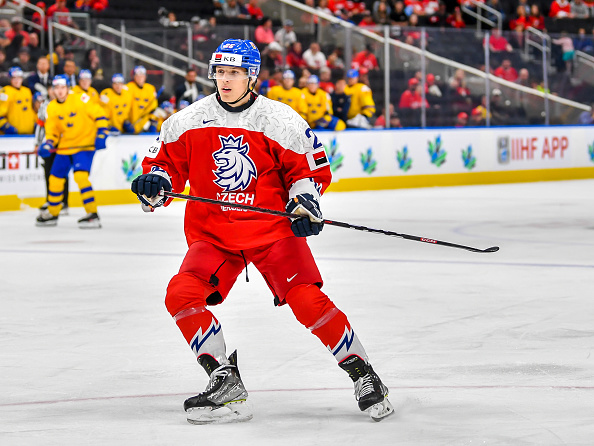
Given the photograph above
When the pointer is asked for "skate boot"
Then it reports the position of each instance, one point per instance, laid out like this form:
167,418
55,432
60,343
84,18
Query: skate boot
370,392
89,221
45,218
224,400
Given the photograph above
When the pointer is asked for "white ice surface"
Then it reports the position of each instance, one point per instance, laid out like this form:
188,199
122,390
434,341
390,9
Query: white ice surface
475,348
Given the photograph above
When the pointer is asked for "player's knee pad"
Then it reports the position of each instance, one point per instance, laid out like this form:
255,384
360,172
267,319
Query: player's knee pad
185,290
310,305
82,179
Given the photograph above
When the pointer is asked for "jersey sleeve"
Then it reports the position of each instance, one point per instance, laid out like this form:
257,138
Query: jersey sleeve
367,103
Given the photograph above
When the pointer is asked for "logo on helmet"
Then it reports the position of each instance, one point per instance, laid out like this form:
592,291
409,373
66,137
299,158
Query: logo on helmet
235,169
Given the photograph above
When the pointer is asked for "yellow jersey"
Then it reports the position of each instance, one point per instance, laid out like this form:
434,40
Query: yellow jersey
117,106
361,100
91,92
293,98
16,109
144,102
72,125
318,106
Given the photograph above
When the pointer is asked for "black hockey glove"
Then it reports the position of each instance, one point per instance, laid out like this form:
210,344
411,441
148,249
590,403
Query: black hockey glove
148,186
312,221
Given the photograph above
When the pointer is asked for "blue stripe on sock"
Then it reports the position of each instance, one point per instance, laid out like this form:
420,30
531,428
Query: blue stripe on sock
88,200
86,189
55,194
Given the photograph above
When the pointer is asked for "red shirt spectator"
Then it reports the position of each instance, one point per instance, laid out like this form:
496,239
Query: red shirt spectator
506,71
37,16
350,6
498,43
263,33
60,6
365,59
412,98
560,8
91,5
456,20
294,57
536,18
521,20
254,10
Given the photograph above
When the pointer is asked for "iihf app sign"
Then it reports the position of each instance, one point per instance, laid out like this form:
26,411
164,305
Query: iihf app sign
21,171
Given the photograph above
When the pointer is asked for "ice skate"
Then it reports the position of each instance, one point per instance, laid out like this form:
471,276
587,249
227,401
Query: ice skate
224,400
89,221
370,392
45,218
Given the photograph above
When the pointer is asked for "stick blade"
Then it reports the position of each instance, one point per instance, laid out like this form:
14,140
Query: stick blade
491,249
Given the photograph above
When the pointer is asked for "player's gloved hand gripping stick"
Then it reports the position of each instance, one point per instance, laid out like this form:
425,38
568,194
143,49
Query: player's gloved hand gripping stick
166,193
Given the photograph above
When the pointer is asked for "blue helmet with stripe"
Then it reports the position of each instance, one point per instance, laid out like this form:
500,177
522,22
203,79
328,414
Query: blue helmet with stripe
15,72
61,79
236,53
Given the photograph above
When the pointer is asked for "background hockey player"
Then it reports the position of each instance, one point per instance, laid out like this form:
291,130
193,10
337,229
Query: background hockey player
288,94
117,102
319,107
238,147
362,106
74,128
85,78
16,106
144,100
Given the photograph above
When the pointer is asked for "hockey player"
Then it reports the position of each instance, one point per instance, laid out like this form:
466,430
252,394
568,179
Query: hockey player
144,101
74,128
85,78
319,107
288,94
16,106
238,147
116,102
362,106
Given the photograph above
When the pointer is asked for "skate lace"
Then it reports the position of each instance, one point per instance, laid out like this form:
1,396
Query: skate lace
217,376
364,386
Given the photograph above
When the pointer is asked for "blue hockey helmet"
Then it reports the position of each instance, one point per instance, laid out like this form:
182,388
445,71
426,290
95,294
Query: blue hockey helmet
61,79
118,78
236,53
85,74
288,74
15,72
313,79
168,106
183,104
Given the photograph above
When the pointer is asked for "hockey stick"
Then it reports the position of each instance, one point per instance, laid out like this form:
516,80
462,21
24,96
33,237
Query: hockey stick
328,222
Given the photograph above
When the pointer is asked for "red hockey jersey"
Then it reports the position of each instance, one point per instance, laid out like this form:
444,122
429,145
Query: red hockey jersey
249,157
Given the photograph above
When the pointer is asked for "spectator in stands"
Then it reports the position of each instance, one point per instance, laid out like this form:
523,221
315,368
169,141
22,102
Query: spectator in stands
412,97
34,49
536,18
4,64
91,5
24,61
517,38
326,83
40,81
455,81
587,117
365,58
232,8
37,19
335,60
377,5
456,20
295,56
440,17
398,16
70,71
583,43
264,34
506,71
568,50
432,89
498,43
341,102
524,4
367,20
323,7
394,122
560,9
319,107
91,61
16,106
497,6
288,94
478,115
286,36
362,107
272,57
60,7
579,10
189,90
254,10
85,78
523,77
16,29
144,101
461,120
521,19
381,15
314,58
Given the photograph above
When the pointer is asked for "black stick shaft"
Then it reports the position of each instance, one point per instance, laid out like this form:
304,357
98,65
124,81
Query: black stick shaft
329,222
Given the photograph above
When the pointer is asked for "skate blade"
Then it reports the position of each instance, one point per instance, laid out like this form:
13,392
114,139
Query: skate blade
381,410
90,225
46,223
234,412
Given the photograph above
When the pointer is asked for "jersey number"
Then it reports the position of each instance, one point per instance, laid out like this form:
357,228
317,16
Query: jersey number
316,144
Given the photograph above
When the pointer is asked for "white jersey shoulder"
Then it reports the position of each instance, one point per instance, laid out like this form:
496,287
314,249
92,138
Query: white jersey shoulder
274,119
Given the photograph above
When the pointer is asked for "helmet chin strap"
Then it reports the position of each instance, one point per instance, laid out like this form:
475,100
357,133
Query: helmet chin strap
247,91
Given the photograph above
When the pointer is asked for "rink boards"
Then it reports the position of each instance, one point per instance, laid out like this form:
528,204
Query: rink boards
360,160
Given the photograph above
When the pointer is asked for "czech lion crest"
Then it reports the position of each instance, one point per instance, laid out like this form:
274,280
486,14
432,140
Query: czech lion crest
235,169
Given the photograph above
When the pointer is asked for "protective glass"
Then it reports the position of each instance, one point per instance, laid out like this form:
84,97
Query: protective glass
227,73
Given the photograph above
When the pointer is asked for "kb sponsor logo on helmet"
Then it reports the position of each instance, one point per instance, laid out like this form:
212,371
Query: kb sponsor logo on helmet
222,58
